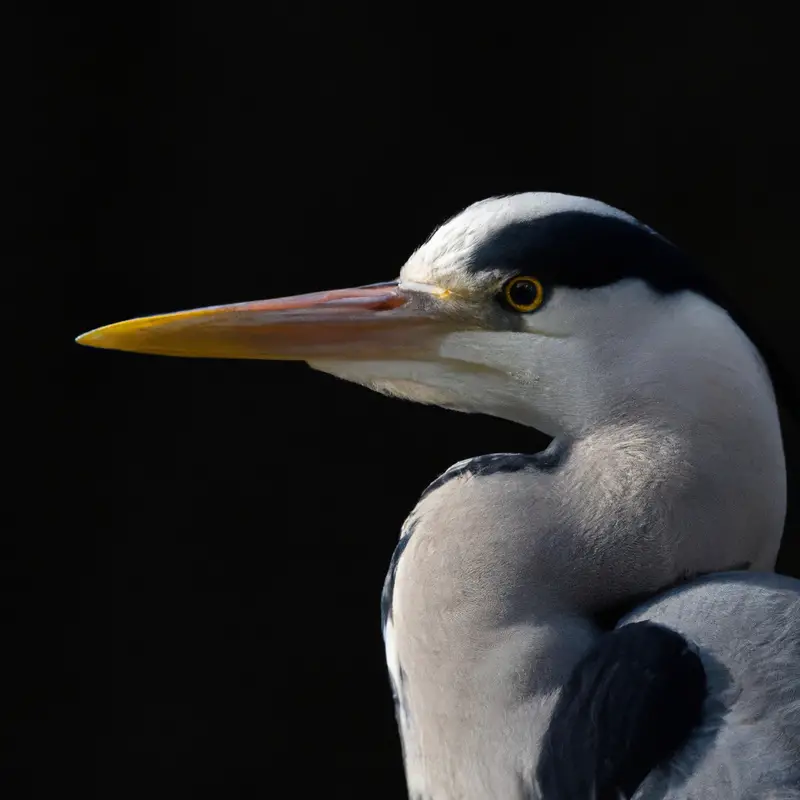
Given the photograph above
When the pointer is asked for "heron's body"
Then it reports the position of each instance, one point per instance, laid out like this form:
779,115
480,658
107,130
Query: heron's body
746,747
566,315
478,663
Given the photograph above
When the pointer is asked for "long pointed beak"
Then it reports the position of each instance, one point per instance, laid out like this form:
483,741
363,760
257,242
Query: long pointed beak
379,321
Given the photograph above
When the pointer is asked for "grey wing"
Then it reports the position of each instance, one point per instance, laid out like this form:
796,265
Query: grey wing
746,628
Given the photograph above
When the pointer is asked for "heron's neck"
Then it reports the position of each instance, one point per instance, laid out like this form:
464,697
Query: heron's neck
499,584
687,428
692,455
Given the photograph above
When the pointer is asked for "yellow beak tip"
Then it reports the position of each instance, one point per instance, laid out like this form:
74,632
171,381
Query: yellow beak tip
90,339
104,338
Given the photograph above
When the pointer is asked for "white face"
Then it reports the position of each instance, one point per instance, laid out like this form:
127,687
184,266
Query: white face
581,356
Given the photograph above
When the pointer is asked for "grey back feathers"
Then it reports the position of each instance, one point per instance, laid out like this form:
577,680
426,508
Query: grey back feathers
717,719
747,631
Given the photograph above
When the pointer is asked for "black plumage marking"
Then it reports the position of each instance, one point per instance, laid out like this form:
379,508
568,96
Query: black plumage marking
545,461
585,250
388,584
398,681
626,708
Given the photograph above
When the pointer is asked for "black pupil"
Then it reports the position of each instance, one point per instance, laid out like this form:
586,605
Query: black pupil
523,293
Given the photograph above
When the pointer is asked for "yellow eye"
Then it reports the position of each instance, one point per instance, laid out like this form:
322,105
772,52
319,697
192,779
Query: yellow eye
523,293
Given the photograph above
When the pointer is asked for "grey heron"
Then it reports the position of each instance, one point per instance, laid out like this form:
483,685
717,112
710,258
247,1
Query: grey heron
666,463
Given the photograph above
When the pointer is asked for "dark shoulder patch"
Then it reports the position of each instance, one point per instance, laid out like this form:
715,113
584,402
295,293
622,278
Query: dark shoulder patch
545,461
626,708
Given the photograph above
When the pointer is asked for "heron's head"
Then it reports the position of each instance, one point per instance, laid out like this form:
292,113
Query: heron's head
545,309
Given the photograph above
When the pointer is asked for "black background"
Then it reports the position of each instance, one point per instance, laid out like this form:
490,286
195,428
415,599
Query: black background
194,556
